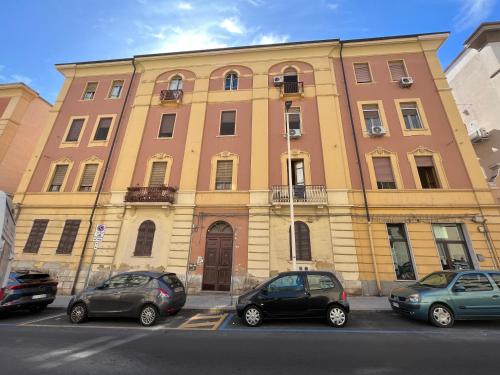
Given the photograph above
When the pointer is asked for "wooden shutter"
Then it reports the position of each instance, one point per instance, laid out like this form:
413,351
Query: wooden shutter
58,178
302,241
397,69
362,71
158,171
88,177
424,161
167,125
68,237
36,235
74,130
101,133
224,175
383,169
145,238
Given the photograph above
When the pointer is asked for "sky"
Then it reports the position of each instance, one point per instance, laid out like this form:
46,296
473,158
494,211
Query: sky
36,34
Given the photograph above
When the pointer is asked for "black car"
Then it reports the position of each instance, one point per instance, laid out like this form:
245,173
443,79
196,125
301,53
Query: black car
28,290
293,295
143,294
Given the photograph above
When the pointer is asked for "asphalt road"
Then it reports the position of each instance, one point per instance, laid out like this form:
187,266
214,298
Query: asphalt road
373,343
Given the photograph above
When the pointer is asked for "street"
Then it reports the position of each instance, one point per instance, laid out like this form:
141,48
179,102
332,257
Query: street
216,343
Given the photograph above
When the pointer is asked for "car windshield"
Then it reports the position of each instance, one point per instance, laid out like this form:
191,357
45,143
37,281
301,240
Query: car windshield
437,280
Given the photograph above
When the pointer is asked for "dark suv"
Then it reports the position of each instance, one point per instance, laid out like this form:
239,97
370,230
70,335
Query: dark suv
296,294
142,294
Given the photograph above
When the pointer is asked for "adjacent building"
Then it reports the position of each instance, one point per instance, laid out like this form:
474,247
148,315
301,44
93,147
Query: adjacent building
23,118
475,81
178,161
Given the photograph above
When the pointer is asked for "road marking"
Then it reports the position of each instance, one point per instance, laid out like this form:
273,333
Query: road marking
74,348
90,352
204,321
40,320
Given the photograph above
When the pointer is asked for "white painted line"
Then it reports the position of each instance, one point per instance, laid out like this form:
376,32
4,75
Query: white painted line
41,319
74,348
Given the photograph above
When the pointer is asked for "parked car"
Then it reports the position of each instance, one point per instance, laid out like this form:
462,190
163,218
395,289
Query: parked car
294,295
446,296
28,290
142,294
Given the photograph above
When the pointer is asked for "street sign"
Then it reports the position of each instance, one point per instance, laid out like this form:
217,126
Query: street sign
99,232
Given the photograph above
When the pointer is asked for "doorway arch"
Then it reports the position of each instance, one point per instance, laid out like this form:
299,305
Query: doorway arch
218,264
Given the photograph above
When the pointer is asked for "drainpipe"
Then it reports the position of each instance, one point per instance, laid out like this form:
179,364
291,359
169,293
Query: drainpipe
363,186
99,190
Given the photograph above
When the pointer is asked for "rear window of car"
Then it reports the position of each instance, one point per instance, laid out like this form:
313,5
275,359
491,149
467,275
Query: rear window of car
496,278
171,280
318,282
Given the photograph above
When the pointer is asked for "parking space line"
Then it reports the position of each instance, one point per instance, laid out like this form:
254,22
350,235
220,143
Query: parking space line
204,321
74,348
40,320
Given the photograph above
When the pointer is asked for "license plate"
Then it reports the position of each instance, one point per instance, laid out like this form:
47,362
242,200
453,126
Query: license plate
179,289
395,304
39,296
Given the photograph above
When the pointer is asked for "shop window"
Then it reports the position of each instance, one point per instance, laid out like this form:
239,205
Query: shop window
452,247
400,249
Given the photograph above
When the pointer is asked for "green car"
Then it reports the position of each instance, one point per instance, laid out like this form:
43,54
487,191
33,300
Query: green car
446,296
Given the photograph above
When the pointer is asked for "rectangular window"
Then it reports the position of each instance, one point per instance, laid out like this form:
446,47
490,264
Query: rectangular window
452,247
294,119
74,130
224,175
167,125
101,134
427,172
496,278
158,171
227,123
397,69
88,177
58,177
383,173
474,282
411,116
362,72
36,235
116,89
90,91
403,262
68,237
371,115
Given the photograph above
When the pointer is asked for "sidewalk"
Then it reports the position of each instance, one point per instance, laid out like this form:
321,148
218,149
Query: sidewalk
207,301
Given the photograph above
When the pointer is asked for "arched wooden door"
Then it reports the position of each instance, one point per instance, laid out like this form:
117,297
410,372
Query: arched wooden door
218,263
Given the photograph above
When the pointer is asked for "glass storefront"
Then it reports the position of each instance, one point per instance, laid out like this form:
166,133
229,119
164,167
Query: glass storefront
403,262
452,247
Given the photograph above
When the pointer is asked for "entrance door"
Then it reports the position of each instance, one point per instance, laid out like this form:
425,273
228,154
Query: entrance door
218,257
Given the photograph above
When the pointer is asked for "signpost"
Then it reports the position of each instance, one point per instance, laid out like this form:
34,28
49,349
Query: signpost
100,229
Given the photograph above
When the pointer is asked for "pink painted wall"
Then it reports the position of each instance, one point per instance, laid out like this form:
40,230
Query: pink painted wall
384,89
217,78
74,106
4,102
239,144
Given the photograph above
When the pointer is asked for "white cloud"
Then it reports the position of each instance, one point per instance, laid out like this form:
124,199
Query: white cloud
472,13
178,39
184,6
256,3
21,78
270,39
332,6
233,25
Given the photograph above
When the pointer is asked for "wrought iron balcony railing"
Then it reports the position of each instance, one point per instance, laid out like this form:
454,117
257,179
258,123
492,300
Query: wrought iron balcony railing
171,95
313,194
150,194
292,88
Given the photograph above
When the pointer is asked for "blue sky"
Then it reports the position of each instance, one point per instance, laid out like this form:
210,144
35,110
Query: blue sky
36,34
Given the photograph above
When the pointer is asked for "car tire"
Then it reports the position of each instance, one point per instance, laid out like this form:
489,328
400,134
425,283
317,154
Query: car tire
78,313
441,316
336,316
148,315
252,316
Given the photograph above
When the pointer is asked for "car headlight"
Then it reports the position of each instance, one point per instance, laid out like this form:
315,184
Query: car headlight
413,298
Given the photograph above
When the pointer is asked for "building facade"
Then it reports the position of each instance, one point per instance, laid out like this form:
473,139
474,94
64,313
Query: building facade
182,159
23,117
474,79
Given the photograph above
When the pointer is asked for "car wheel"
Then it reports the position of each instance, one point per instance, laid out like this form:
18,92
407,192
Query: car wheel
336,316
252,316
441,316
78,313
148,315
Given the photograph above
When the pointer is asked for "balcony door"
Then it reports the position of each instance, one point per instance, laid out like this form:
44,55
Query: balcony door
298,179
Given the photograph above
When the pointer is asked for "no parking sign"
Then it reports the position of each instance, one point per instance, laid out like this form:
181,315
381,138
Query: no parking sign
99,234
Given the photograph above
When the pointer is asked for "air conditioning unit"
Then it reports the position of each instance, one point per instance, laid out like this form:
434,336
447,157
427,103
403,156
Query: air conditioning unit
405,82
295,133
479,135
377,131
278,80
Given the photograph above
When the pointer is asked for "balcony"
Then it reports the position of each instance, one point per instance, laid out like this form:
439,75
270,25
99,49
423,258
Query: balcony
292,88
303,194
169,96
141,194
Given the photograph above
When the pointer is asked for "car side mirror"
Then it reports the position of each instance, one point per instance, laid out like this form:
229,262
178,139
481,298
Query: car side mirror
458,288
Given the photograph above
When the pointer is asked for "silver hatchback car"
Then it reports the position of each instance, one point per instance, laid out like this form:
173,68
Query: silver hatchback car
143,294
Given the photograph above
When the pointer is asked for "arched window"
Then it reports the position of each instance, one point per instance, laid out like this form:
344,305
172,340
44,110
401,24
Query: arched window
175,83
231,82
145,238
302,241
220,227
290,75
